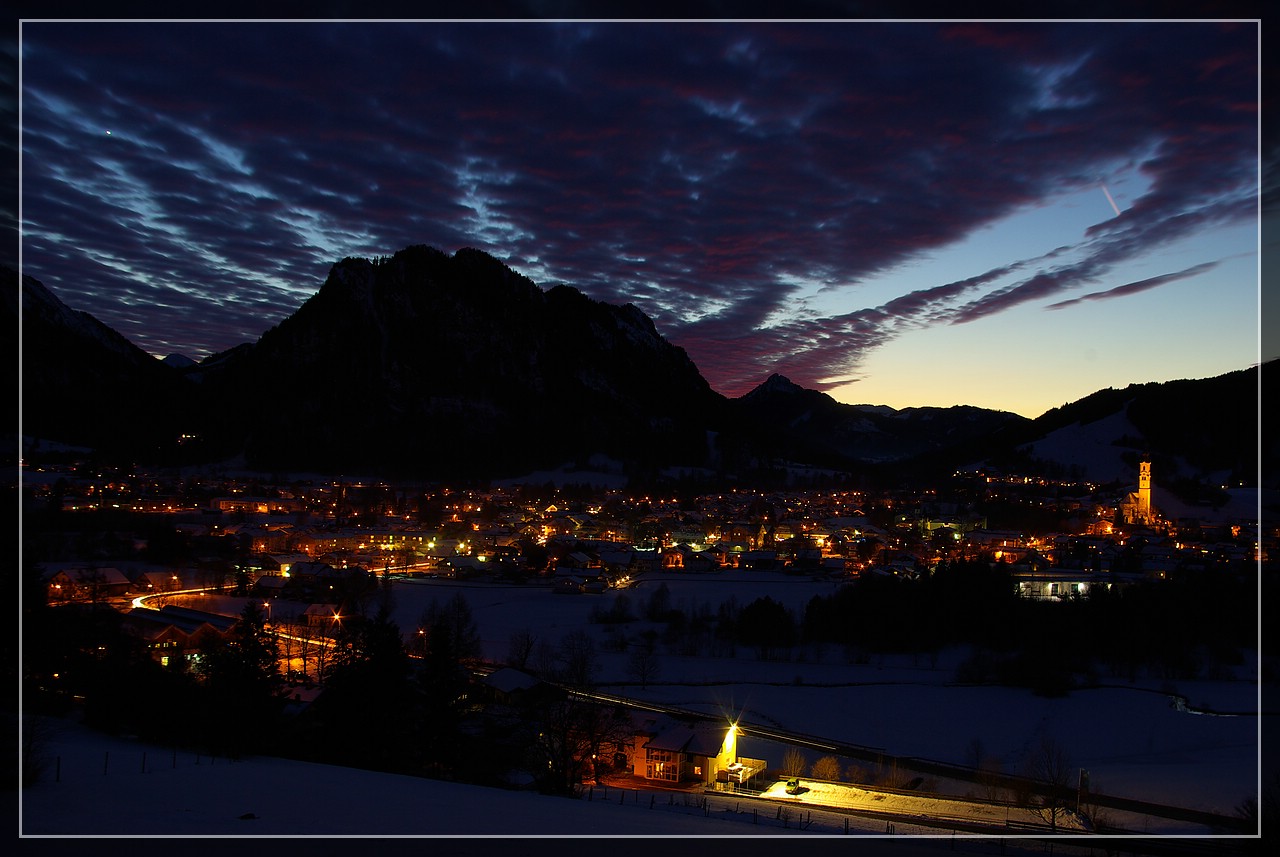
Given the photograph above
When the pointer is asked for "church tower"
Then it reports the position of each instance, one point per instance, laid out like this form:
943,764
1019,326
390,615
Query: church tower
1144,490
1137,508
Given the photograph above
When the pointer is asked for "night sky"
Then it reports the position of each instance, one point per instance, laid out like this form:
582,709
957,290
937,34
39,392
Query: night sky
1009,215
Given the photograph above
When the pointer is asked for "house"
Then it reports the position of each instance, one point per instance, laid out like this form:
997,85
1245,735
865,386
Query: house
177,632
1062,583
510,686
996,539
685,558
565,585
309,571
321,616
676,751
281,563
78,583
761,560
299,698
157,581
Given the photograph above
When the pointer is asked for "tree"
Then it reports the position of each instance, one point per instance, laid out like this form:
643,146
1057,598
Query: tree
1050,765
242,683
452,641
578,661
793,762
659,603
574,738
766,624
826,768
643,665
520,647
368,679
451,631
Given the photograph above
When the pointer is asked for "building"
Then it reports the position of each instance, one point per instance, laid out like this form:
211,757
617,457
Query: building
80,583
1137,507
172,633
673,751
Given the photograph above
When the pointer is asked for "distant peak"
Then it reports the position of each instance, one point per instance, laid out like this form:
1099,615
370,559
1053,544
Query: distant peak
778,383
775,385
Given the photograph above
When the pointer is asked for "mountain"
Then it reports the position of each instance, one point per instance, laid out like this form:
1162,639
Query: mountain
83,383
457,366
178,361
813,425
1203,430
428,365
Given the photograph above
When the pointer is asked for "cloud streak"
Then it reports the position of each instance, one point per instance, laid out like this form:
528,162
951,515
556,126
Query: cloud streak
1137,286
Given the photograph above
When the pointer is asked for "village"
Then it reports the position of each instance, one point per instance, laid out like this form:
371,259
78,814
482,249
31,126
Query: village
309,540
187,563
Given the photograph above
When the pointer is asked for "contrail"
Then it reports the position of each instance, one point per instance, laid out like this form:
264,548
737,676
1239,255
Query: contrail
1109,199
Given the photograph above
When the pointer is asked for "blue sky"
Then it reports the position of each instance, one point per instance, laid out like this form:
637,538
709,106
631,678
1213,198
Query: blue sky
910,213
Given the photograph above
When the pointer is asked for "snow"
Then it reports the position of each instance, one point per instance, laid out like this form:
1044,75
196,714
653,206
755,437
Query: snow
829,794
1131,737
1090,447
181,794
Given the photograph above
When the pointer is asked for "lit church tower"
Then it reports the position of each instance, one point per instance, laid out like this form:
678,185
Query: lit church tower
1144,490
1137,508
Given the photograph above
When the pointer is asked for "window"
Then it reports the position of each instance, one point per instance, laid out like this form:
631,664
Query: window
661,765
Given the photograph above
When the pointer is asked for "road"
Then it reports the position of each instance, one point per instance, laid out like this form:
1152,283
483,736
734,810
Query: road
926,767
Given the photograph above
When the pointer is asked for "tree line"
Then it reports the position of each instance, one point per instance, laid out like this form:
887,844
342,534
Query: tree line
1195,624
409,704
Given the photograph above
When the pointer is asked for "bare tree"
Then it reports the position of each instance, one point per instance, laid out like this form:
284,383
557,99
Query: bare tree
575,740
989,778
578,659
287,641
37,734
856,773
520,647
1051,767
545,661
826,768
321,650
986,769
643,665
793,762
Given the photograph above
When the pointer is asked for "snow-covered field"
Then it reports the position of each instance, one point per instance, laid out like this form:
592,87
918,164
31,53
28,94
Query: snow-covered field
1132,739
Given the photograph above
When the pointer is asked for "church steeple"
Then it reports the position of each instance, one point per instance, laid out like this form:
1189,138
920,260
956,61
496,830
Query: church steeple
1144,490
1137,507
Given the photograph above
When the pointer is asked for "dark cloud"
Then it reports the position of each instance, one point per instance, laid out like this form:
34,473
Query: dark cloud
702,171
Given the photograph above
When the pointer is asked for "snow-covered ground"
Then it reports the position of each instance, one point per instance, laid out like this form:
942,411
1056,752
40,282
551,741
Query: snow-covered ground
117,787
924,807
1131,738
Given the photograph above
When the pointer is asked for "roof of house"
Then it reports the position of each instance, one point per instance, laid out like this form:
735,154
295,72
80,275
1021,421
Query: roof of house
154,622
509,679
217,620
699,739
80,574
321,610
